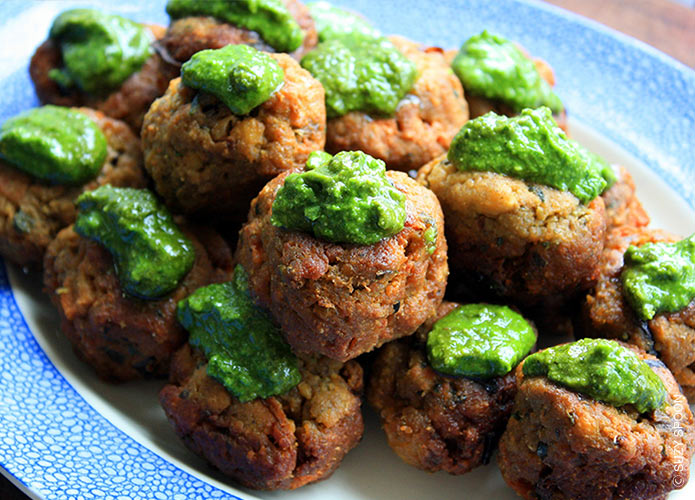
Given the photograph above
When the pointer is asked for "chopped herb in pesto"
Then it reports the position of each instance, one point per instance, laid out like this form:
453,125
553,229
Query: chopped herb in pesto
99,51
605,169
54,144
151,254
345,198
245,350
269,18
361,74
601,369
491,66
479,341
531,147
238,75
659,277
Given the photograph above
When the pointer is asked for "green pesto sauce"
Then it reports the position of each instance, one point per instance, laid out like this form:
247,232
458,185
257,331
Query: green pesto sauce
431,233
245,350
479,341
659,277
494,67
99,50
604,168
238,75
531,147
269,18
151,254
345,198
601,369
54,144
361,73
334,22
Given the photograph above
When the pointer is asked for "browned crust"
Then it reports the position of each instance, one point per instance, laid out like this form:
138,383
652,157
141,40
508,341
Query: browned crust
562,445
281,442
424,124
623,208
432,421
605,312
120,336
32,212
205,159
344,300
528,242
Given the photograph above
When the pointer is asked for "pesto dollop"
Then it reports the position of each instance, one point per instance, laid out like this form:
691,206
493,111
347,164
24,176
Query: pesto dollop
269,18
54,144
479,341
531,147
333,22
659,277
150,253
361,73
494,67
601,369
245,350
238,75
345,198
100,51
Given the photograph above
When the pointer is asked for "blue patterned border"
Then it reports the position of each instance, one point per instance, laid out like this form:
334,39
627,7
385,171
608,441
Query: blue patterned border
57,445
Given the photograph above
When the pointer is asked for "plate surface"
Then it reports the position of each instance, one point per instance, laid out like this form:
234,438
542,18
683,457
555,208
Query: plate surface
64,434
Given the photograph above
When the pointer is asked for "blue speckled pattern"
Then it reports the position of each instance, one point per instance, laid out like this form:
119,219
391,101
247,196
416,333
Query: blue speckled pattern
50,437
637,97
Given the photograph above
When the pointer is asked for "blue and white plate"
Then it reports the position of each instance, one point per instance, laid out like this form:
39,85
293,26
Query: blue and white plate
66,435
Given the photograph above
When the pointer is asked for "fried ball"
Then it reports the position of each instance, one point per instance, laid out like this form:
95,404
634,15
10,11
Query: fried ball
206,160
342,300
32,212
605,312
128,103
433,421
120,336
281,442
527,242
188,35
622,206
479,105
426,121
562,445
